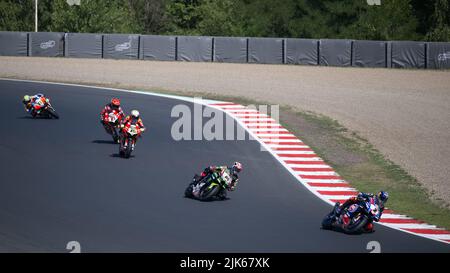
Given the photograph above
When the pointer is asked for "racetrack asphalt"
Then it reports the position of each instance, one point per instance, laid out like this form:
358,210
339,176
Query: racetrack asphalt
62,180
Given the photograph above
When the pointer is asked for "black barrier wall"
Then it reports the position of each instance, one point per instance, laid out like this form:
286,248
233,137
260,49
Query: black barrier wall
438,55
158,48
230,50
326,52
265,50
46,44
335,52
83,45
302,51
194,49
13,43
369,54
408,54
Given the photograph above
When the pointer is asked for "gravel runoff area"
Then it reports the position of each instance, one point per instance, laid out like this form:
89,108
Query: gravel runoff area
403,113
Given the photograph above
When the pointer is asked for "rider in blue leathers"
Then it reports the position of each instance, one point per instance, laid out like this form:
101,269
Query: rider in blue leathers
381,198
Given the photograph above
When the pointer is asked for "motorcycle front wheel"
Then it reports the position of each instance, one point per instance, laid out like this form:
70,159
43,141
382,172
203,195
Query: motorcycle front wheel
52,113
188,191
127,151
327,222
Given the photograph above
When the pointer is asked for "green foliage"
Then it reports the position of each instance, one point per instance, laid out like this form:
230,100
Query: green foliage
184,16
218,18
150,16
92,16
15,15
441,19
393,20
353,19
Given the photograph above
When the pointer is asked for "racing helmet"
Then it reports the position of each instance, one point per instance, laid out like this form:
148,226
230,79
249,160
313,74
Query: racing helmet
236,168
383,196
26,98
39,95
115,102
135,113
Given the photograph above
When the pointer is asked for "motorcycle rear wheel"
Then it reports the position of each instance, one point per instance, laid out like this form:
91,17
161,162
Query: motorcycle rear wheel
357,227
207,195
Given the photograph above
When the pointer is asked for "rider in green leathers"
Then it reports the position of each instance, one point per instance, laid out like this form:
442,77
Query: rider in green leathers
226,175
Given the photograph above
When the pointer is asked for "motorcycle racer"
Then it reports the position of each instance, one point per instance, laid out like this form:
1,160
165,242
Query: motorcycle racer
381,198
232,173
111,108
33,103
133,119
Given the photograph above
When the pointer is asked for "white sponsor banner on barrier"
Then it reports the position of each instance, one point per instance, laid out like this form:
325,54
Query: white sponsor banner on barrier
444,56
48,44
122,47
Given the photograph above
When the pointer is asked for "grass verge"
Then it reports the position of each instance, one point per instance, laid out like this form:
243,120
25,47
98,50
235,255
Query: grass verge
352,156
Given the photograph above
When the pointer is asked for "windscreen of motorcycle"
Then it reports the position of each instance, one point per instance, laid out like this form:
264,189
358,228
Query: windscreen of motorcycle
112,117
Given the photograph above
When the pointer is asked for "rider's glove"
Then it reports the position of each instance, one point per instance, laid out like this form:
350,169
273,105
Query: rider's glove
207,170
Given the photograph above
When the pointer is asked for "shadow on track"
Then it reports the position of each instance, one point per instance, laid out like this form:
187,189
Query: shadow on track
101,141
119,156
35,118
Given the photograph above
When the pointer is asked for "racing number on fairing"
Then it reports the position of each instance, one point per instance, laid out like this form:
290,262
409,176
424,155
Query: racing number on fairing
112,117
227,178
374,246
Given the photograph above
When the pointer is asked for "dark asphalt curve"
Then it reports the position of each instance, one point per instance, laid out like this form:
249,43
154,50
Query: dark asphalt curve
61,180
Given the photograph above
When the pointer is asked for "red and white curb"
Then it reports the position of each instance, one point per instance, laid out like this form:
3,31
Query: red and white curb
311,171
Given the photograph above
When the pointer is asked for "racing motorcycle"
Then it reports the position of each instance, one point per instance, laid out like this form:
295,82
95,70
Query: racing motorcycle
211,187
43,109
111,123
128,140
354,219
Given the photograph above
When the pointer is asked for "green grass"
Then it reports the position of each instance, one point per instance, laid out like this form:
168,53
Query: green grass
374,172
371,171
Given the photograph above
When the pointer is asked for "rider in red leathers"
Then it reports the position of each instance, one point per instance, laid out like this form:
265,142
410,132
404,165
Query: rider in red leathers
112,107
133,119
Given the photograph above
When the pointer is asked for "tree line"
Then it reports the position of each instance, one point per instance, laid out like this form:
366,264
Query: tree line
427,20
